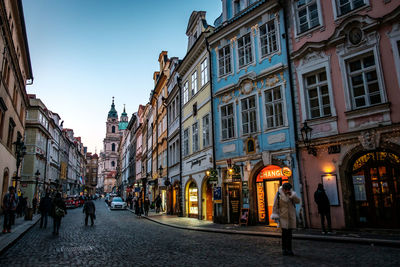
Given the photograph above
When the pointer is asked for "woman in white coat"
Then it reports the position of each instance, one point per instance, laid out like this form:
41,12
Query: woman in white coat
284,211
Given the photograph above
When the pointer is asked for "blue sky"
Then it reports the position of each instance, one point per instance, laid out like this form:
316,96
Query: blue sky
84,52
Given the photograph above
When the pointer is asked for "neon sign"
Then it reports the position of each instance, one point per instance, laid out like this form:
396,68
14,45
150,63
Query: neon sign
273,171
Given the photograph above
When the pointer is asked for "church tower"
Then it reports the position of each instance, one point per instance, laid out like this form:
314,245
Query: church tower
111,143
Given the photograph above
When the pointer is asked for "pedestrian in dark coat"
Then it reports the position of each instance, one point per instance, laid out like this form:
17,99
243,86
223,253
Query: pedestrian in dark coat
158,203
9,205
45,209
284,210
324,207
146,205
34,204
58,205
90,210
21,206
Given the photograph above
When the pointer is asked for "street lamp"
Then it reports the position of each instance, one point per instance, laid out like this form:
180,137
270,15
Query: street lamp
20,151
306,136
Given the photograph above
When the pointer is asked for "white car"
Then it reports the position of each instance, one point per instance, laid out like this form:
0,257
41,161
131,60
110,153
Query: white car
118,204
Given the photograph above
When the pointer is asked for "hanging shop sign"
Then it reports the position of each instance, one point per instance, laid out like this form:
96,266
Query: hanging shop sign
273,171
212,175
217,194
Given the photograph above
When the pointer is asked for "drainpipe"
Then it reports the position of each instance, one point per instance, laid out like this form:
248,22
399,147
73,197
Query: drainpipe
212,121
179,80
285,23
212,104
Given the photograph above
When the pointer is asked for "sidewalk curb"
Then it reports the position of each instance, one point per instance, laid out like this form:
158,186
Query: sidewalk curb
365,241
10,244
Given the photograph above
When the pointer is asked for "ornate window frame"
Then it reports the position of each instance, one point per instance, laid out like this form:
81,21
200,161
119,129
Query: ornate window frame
264,20
239,118
311,63
282,86
346,51
297,33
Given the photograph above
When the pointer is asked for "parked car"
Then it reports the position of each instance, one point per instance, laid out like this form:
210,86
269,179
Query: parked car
118,203
71,202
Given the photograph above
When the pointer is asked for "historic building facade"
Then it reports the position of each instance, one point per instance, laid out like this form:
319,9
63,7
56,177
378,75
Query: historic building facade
253,112
196,137
174,204
15,74
347,75
159,129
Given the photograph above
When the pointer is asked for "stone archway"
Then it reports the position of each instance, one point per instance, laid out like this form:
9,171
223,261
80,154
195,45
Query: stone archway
192,199
253,217
207,206
366,186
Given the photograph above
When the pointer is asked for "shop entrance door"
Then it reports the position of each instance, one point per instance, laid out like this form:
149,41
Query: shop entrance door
209,203
271,188
377,190
234,202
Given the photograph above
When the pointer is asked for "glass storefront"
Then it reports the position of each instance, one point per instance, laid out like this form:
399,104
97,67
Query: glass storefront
193,202
268,182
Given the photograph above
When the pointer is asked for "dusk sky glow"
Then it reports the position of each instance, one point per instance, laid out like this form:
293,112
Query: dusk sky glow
85,52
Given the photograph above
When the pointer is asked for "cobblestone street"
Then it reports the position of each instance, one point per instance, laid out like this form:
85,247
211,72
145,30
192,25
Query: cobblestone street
120,239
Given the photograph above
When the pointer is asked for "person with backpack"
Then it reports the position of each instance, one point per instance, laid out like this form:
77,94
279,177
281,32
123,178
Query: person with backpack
44,209
284,211
10,202
90,211
324,208
58,211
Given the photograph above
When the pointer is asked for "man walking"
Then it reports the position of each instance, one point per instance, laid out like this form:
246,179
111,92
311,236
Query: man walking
90,209
10,202
44,208
324,207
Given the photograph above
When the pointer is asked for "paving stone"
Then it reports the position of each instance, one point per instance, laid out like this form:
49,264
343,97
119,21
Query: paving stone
119,238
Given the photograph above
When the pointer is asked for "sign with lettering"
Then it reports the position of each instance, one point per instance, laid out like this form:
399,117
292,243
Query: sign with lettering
273,171
217,194
261,202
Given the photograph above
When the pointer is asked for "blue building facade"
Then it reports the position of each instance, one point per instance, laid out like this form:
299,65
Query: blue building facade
253,117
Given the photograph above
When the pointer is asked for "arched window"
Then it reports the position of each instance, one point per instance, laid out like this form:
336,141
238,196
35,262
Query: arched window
113,147
112,164
113,129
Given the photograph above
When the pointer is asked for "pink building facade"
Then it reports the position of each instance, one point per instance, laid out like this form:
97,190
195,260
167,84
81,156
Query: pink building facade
347,78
